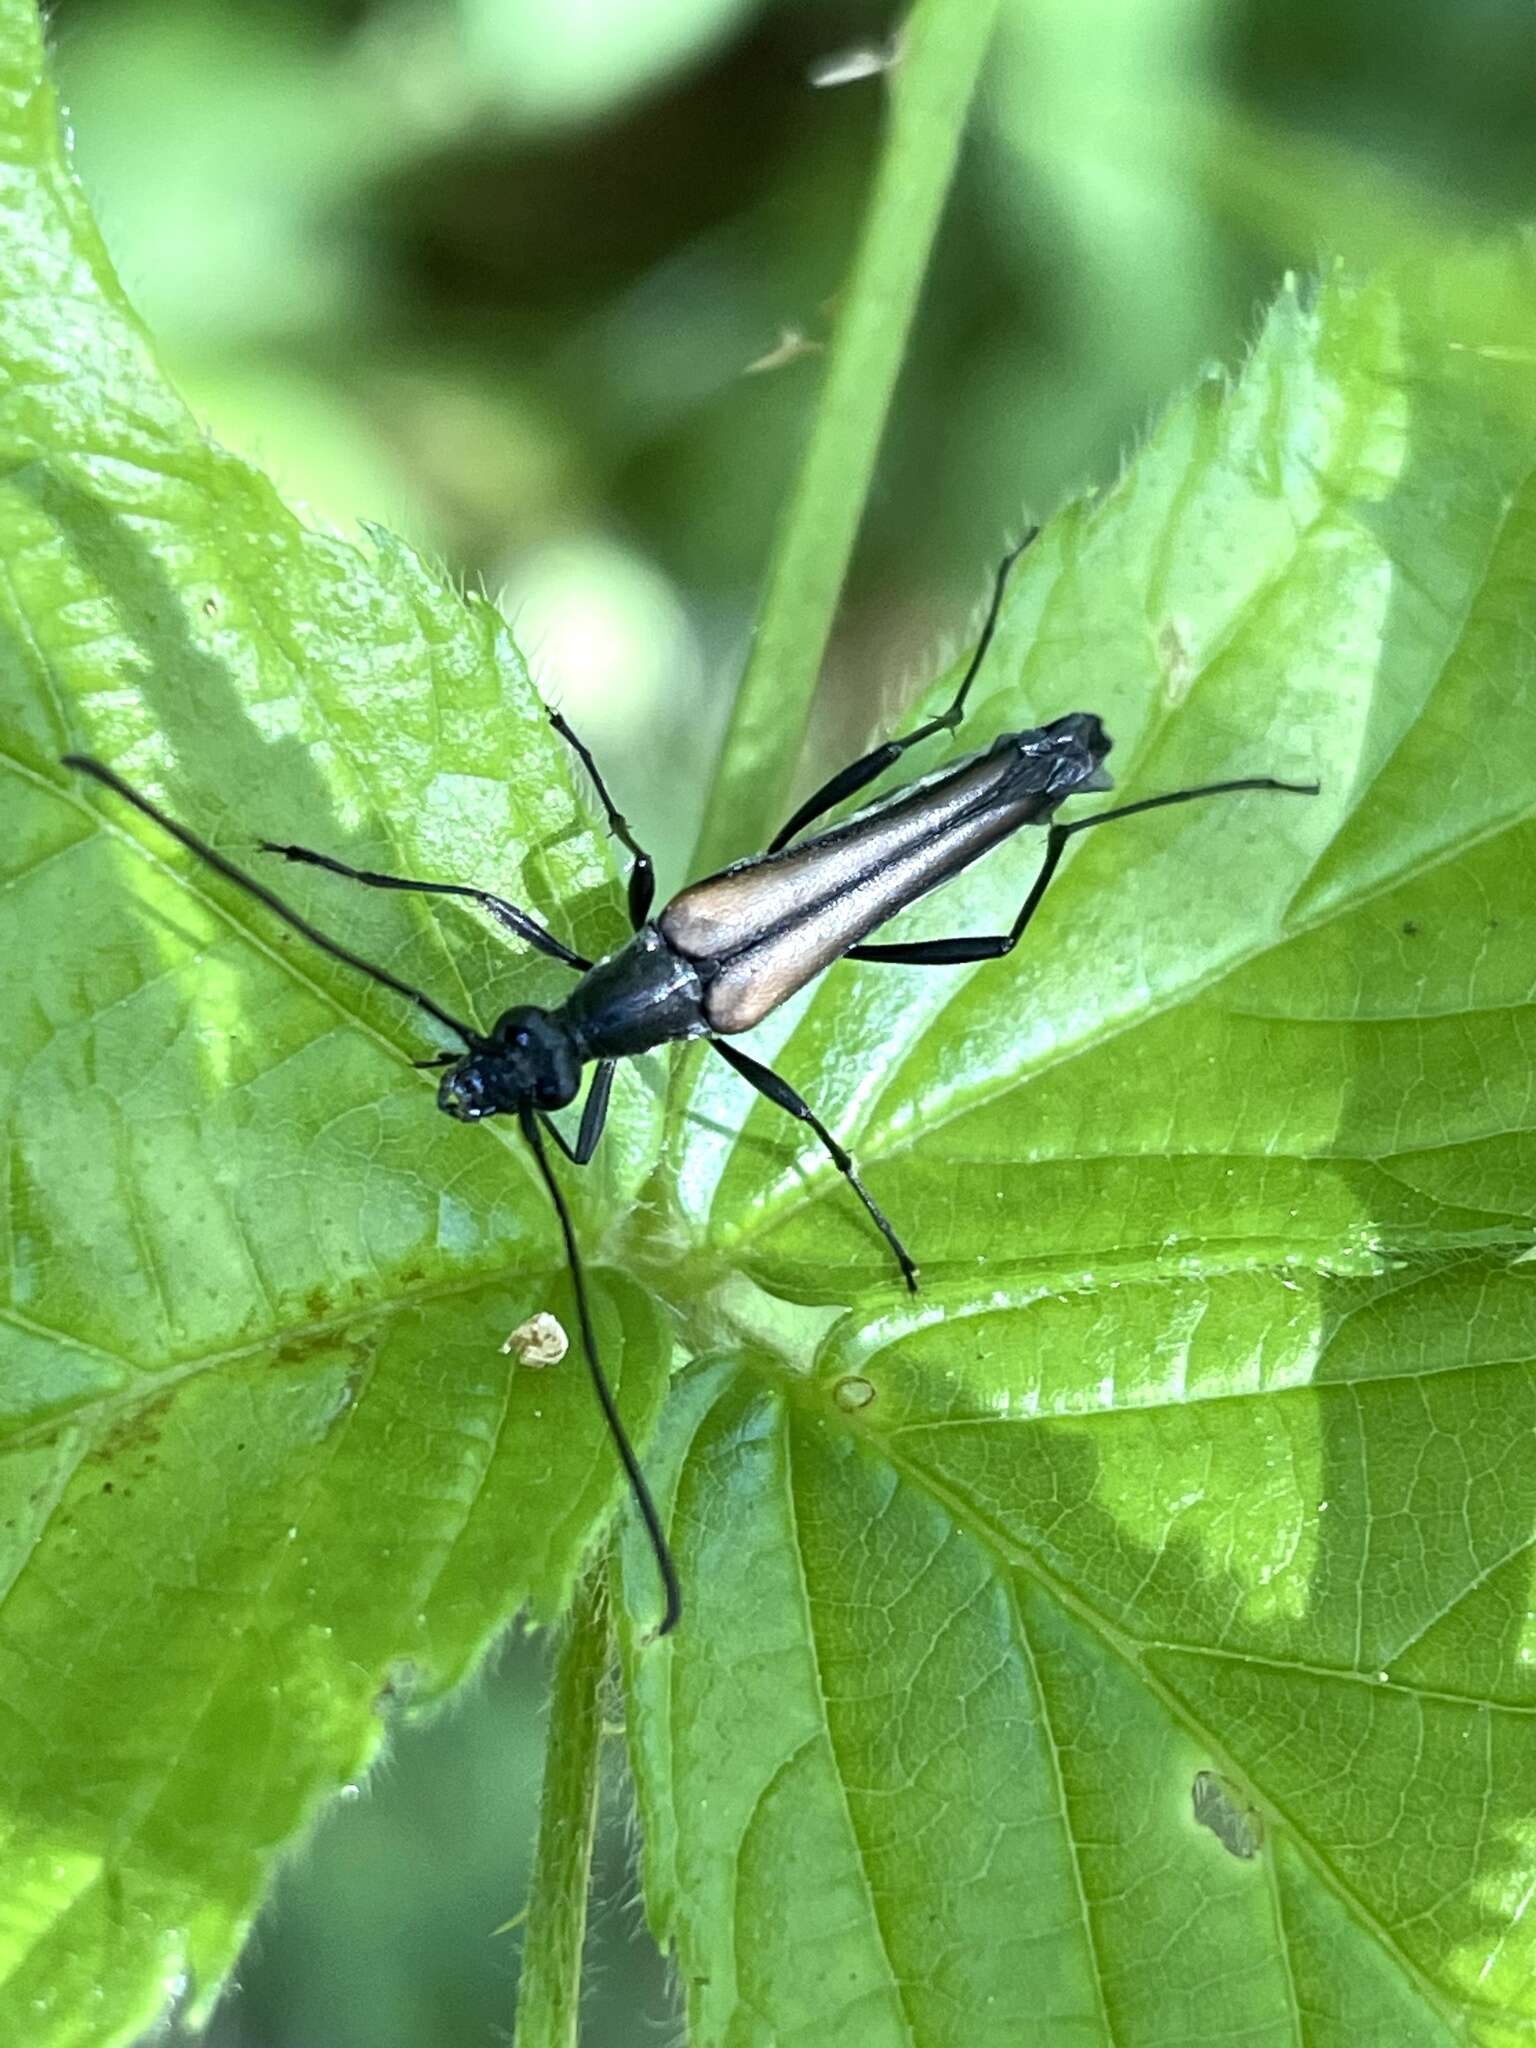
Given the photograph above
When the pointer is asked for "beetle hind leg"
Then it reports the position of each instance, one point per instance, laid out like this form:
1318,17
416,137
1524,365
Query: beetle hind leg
962,952
858,774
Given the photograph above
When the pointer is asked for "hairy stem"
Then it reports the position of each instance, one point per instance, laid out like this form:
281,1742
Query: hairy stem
942,48
549,1991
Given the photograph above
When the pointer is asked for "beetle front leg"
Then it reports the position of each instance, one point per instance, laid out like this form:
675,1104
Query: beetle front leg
594,1116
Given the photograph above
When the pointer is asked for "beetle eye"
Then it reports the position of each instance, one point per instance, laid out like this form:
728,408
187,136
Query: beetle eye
521,1039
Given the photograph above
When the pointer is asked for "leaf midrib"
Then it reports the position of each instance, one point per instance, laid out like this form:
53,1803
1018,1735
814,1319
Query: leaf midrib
154,1383
1131,1652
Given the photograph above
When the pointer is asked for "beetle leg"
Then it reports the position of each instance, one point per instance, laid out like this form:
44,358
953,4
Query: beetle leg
505,913
959,952
778,1091
642,872
854,777
593,1117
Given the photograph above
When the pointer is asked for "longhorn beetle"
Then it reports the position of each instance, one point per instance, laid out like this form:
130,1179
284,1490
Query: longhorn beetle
731,948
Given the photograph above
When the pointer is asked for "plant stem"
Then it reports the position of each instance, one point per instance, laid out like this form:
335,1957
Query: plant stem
931,85
549,1990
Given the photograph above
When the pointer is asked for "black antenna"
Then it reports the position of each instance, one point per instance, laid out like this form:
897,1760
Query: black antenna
290,917
528,1119
473,1039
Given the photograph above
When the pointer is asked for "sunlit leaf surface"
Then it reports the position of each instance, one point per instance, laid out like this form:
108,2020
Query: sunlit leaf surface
1202,1459
1210,1445
264,1468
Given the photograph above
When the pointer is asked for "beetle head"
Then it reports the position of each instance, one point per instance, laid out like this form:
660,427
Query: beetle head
529,1061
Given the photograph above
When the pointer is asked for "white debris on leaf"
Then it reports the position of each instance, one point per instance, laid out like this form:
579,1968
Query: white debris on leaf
540,1341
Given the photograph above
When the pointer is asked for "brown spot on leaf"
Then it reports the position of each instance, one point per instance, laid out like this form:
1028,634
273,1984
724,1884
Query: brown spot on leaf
304,1345
136,1429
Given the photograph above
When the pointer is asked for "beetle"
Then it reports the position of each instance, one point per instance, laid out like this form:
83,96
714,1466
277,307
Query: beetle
726,951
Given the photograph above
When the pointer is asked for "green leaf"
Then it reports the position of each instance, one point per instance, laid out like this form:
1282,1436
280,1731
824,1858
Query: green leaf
1204,1455
1210,1444
264,1468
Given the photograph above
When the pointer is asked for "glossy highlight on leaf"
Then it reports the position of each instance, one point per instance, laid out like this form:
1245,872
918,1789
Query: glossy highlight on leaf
266,1473
1210,1444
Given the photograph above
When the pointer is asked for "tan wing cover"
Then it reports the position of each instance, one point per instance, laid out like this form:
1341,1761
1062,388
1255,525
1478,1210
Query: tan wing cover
773,924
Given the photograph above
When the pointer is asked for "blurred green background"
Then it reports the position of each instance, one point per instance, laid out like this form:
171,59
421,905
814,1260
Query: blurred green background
540,284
